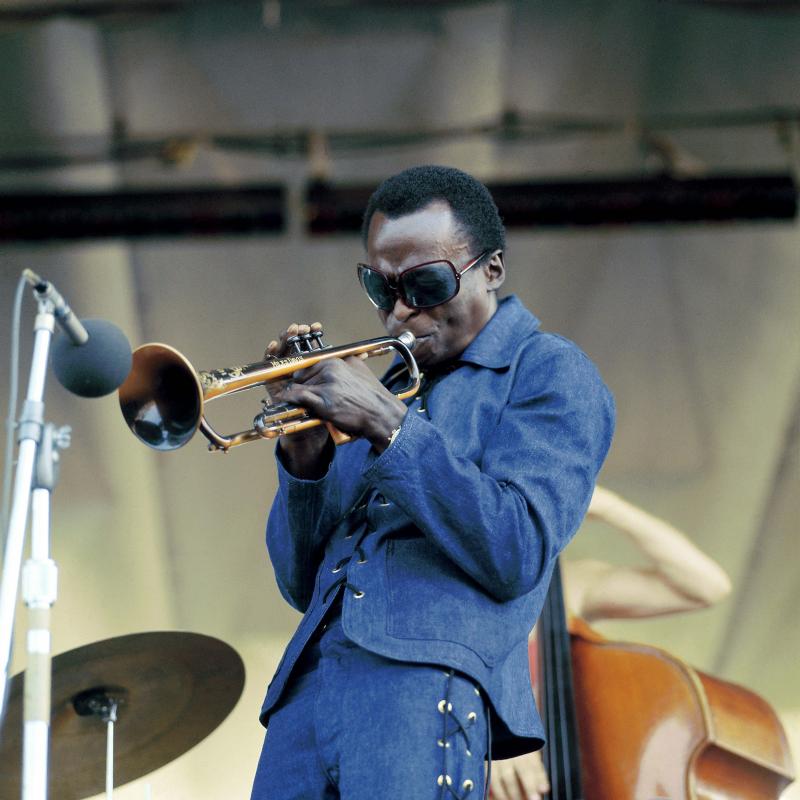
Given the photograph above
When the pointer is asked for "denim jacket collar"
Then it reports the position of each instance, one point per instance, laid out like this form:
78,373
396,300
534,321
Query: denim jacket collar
497,341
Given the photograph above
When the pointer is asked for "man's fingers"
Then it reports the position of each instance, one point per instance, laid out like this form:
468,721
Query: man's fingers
313,374
357,359
280,346
300,394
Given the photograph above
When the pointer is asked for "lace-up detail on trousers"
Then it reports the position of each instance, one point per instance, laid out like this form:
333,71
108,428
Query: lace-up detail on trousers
320,743
456,723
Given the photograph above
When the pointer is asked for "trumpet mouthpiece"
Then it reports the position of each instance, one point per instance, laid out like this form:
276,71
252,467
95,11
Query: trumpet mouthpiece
408,339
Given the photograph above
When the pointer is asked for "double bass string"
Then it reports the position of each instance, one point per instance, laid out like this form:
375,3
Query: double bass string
549,681
561,753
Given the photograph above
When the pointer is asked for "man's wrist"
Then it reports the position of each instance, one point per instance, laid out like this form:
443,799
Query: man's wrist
387,428
307,458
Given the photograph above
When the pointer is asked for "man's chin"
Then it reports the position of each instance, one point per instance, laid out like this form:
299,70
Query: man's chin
424,351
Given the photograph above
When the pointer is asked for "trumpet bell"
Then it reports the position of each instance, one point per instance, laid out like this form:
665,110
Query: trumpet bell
161,400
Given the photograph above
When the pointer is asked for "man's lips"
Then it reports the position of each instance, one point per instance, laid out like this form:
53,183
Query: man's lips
420,340
418,336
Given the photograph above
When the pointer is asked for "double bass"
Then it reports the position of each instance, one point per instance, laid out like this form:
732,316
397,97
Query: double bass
631,722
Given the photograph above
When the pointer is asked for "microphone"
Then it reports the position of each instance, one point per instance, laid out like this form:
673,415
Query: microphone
65,318
99,365
92,358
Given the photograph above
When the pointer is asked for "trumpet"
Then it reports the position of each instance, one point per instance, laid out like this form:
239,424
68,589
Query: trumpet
163,398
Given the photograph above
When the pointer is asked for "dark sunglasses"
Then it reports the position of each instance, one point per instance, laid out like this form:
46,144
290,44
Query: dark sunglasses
421,286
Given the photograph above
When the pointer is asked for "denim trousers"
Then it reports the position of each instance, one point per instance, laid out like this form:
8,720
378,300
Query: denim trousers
357,726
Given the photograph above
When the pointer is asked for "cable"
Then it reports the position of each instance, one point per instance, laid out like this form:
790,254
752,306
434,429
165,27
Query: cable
11,419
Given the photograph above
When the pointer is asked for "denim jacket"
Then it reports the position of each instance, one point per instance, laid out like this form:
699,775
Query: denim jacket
443,545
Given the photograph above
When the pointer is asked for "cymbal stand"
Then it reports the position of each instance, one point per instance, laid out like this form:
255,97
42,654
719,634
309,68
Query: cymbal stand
102,703
35,477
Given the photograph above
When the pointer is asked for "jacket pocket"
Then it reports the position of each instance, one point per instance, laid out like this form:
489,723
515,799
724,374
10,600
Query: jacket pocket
432,599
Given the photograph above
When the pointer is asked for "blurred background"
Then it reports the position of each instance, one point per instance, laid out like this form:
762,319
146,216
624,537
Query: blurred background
195,172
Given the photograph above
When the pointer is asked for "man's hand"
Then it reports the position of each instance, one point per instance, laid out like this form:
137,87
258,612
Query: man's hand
520,778
342,392
302,451
347,394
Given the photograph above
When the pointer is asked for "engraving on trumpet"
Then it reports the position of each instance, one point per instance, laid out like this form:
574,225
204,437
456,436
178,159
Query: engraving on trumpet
215,379
220,378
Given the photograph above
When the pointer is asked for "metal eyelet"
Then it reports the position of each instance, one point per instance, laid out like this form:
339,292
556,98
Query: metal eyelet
442,743
442,779
361,561
336,569
441,706
360,506
472,716
358,595
468,785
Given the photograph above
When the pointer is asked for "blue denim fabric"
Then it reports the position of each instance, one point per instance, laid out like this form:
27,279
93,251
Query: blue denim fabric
448,538
359,726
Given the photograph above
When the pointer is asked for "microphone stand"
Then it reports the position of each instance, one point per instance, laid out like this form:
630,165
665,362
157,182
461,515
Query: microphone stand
35,479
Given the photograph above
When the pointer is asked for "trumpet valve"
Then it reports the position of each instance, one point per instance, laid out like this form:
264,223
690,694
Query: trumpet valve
306,342
270,422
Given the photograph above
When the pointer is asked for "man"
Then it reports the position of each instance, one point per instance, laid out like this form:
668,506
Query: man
420,552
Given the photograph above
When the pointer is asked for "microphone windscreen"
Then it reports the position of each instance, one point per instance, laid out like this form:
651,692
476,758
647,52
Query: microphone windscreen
96,368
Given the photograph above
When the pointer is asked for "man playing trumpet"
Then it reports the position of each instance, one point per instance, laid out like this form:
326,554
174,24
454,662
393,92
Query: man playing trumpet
420,552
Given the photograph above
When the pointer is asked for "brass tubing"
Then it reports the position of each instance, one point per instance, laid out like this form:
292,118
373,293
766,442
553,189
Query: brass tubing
163,397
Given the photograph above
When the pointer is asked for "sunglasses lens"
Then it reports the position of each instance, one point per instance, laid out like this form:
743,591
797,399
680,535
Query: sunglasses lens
376,287
430,285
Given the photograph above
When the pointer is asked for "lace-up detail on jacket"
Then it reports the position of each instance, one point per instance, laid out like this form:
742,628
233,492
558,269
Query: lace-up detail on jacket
361,558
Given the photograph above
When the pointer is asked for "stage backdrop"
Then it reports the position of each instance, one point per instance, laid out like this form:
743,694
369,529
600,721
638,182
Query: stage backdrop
694,326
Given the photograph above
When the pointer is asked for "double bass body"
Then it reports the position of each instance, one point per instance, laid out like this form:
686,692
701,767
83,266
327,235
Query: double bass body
650,726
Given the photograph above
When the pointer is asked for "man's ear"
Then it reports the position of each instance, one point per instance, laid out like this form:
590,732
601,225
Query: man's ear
495,271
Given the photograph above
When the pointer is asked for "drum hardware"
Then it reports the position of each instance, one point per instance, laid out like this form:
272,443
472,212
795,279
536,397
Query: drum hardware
103,703
38,456
158,694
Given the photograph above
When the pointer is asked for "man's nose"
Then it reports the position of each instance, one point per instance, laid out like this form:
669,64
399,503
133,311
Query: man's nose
401,312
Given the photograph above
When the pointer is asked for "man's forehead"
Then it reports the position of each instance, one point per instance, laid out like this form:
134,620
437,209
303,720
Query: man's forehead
432,226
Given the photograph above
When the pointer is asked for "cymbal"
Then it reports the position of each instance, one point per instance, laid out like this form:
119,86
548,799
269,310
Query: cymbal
173,690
